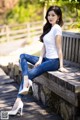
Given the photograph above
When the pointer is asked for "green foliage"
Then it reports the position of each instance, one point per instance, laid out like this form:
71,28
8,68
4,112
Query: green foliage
70,10
32,10
24,12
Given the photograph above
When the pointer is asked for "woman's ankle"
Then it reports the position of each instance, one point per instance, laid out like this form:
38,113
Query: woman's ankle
18,99
26,82
25,77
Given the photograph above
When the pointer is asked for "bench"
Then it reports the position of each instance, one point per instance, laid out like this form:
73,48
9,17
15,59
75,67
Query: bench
61,91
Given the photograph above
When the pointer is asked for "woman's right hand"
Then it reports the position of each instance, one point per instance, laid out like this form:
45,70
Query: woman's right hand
37,63
62,69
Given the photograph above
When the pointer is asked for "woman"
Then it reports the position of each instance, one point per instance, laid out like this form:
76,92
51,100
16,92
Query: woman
51,57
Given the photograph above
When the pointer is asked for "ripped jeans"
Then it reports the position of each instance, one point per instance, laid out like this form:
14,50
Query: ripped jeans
46,65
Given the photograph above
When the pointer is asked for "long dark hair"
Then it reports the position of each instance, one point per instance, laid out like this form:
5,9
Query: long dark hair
47,26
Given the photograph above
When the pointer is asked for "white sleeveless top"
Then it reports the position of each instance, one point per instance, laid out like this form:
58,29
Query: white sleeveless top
49,42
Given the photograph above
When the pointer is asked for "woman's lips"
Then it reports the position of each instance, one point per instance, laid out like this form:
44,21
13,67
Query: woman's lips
50,20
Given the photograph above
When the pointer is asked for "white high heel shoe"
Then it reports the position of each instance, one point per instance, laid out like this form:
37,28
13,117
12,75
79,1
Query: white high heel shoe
26,89
14,112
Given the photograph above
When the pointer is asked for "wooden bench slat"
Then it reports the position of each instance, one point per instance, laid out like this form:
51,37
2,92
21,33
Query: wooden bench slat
79,51
69,53
76,49
71,47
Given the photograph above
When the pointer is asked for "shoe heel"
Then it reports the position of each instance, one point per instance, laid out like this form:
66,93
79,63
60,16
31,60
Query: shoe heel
19,107
21,111
30,82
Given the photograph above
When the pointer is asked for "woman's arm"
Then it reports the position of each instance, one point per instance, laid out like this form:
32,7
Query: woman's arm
59,48
43,51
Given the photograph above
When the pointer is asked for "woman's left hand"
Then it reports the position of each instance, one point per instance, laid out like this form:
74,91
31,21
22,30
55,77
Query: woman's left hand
62,69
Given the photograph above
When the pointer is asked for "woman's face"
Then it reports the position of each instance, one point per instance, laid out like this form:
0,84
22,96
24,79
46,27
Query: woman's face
52,17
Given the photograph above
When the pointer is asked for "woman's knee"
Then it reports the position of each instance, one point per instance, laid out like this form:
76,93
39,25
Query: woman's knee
22,56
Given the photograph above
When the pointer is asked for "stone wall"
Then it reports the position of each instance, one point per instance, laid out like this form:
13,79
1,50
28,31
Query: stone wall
53,102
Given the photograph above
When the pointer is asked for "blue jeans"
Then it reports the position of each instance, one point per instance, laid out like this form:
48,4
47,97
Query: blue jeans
46,65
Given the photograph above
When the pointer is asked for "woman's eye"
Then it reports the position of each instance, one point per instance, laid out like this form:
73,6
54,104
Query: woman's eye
53,15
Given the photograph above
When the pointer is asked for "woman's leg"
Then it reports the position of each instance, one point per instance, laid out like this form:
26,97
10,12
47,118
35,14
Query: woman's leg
24,58
47,65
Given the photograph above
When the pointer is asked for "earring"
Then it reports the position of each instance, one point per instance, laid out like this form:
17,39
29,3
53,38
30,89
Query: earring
57,21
